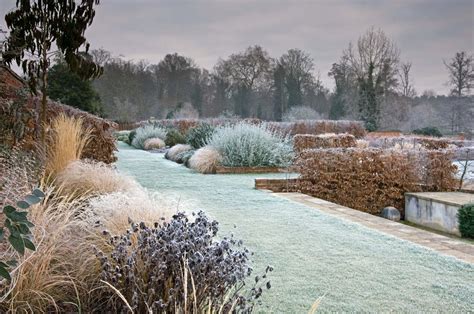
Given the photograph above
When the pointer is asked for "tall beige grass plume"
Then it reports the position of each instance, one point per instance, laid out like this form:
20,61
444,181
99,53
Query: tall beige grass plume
205,160
65,144
85,177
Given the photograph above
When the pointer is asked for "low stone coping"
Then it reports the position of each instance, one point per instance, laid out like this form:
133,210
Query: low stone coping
450,198
241,170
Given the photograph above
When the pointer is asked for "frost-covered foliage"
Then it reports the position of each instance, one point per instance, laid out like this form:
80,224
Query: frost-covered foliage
122,136
112,211
145,132
174,137
20,173
198,136
179,267
248,145
92,178
466,220
174,151
183,158
205,160
153,143
301,113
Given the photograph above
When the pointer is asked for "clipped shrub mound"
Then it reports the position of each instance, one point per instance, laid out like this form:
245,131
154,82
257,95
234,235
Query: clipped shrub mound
371,179
329,140
87,178
205,160
466,220
248,145
193,273
146,132
154,143
412,142
198,136
122,136
174,137
173,152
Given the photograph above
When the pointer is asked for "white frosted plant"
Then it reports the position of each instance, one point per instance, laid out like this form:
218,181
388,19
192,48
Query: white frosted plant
145,132
248,145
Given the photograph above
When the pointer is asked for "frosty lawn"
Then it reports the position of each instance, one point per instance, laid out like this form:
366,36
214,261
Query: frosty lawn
355,268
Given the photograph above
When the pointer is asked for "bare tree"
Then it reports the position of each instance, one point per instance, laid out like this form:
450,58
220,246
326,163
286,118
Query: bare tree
374,62
101,56
406,82
246,72
461,73
298,69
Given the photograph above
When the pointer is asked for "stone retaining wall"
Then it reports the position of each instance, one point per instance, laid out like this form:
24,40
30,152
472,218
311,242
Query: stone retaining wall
241,170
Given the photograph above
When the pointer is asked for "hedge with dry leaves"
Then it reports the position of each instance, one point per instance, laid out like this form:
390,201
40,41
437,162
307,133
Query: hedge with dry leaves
330,140
316,127
371,179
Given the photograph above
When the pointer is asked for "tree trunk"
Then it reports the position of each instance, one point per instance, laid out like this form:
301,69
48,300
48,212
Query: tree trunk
44,99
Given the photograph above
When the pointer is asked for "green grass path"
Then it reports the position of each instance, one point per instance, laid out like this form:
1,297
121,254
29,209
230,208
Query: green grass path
314,254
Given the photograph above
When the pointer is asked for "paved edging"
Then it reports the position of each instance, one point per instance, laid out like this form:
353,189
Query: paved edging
439,243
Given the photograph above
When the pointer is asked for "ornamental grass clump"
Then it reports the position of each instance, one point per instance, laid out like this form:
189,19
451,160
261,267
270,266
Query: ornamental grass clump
57,276
178,267
249,145
146,132
89,178
65,143
205,160
154,143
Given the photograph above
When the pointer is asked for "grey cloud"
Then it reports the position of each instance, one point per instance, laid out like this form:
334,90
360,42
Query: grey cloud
425,30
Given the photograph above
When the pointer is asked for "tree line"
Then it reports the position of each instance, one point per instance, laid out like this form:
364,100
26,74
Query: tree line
372,83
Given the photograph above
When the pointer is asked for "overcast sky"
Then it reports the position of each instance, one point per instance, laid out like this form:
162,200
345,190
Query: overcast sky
426,31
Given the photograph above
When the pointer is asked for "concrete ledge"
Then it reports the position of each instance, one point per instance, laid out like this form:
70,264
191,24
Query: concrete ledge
275,185
436,210
241,170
